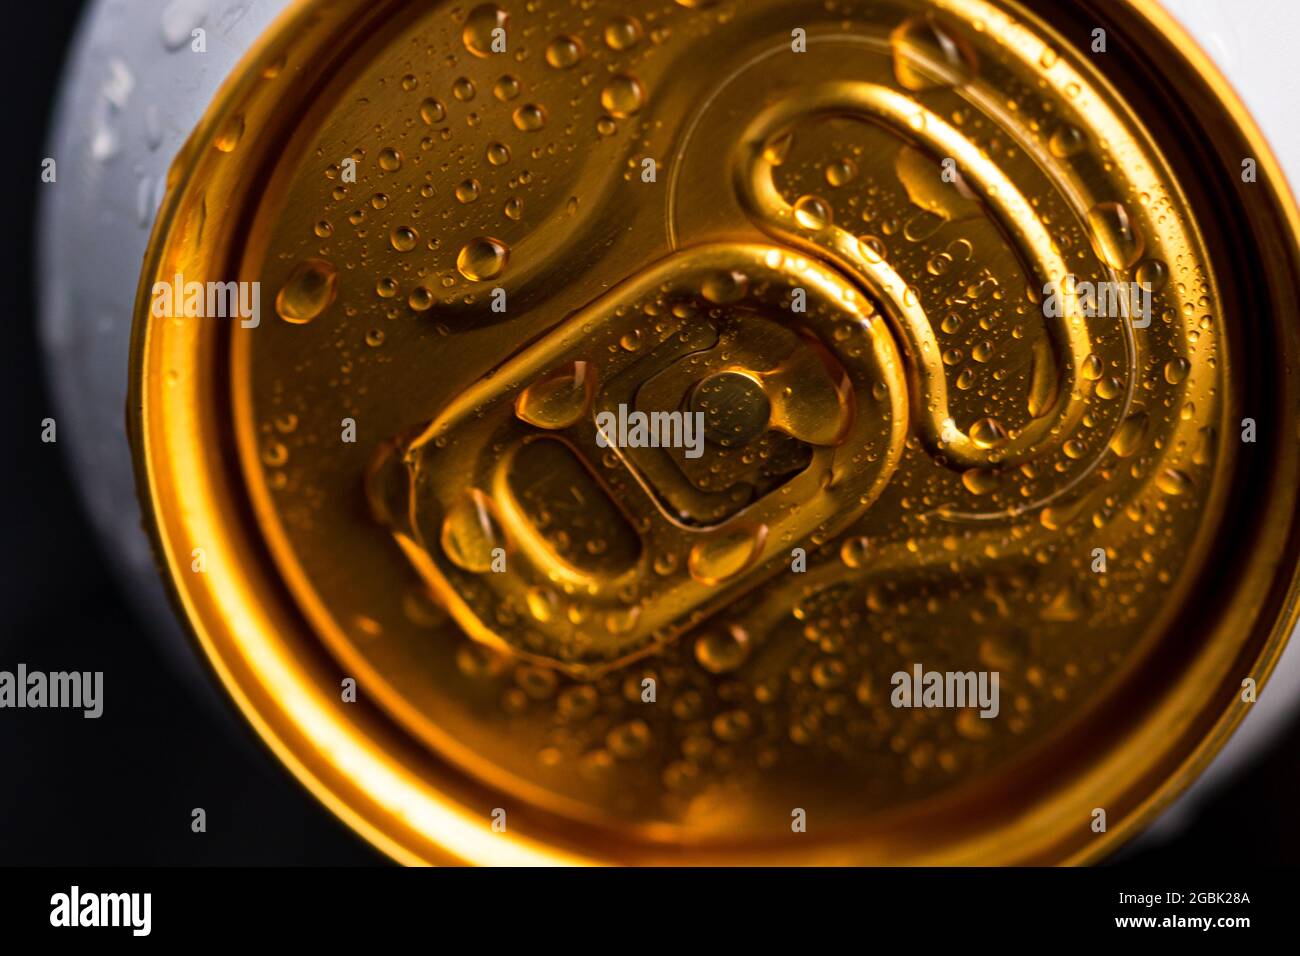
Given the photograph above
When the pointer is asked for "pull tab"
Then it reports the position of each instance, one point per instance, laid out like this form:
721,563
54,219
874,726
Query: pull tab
652,457
758,154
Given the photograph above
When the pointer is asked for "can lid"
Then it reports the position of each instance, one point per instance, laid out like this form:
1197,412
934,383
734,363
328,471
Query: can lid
727,433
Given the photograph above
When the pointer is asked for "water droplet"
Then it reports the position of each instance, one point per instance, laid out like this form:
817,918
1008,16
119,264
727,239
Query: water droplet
506,88
1176,370
722,650
623,96
529,118
841,172
927,38
721,556
812,212
1044,380
404,238
308,292
1115,235
623,33
483,258
980,481
725,287
1067,141
275,454
1152,273
1128,437
421,299
432,111
855,551
542,603
1174,482
470,532
564,52
777,148
988,433
463,89
1092,368
390,160
480,25
732,726
558,400
468,191
179,19
630,740
1108,388
498,154
230,134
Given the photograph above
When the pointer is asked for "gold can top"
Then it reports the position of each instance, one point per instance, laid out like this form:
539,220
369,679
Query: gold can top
727,432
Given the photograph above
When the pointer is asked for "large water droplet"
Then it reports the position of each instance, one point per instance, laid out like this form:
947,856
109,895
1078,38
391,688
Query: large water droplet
470,532
482,21
529,118
1044,380
559,399
988,433
564,52
308,292
812,212
1067,141
928,39
722,650
1115,235
231,133
1174,482
623,96
1128,438
483,258
721,557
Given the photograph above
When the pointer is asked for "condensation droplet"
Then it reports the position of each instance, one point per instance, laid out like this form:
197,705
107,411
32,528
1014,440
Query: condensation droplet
308,292
564,52
558,400
483,258
432,111
1067,141
722,650
1115,235
623,96
812,212
404,238
470,533
483,21
529,118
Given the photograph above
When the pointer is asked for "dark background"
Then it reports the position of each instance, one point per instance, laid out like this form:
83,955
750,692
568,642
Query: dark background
119,790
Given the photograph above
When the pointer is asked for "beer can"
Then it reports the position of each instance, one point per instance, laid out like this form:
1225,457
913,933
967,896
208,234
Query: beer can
695,432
